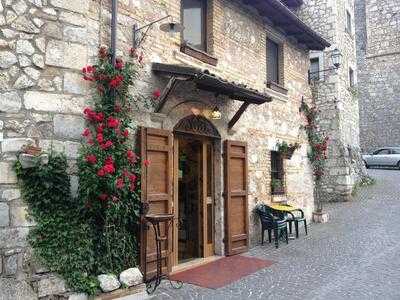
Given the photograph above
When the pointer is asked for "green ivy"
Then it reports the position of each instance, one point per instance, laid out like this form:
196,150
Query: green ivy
62,241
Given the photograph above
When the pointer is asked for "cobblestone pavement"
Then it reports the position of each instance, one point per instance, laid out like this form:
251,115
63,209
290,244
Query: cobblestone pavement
354,256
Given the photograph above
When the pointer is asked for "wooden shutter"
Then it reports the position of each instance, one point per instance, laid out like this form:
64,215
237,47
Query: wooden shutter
156,146
236,206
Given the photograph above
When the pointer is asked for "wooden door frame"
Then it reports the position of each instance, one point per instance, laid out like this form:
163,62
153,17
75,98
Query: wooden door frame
204,139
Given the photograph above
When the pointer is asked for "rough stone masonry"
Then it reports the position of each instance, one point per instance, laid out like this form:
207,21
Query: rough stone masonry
378,58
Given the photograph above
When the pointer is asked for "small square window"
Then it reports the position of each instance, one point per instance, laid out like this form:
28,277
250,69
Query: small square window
277,174
314,69
351,77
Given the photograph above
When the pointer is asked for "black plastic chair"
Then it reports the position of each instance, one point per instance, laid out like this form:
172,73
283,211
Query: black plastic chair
294,216
271,223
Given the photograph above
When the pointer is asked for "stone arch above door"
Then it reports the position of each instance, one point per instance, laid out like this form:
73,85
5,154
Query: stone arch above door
198,125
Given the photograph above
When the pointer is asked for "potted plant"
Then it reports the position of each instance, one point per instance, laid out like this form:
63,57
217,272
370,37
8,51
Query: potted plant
286,149
277,186
32,149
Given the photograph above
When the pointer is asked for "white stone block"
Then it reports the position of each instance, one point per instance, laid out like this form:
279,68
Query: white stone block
66,55
11,194
131,277
14,144
68,126
10,102
7,59
108,282
7,174
74,83
79,6
53,102
4,214
51,286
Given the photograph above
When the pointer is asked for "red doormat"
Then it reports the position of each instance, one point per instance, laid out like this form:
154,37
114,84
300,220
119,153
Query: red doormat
222,272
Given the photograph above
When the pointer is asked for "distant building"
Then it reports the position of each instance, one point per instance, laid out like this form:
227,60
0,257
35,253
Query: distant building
335,94
378,60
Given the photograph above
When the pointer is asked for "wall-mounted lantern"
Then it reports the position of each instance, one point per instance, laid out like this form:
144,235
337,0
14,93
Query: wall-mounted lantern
170,28
336,59
216,114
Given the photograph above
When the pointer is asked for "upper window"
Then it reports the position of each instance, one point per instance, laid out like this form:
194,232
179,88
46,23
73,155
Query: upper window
351,77
194,22
277,174
348,22
314,69
273,71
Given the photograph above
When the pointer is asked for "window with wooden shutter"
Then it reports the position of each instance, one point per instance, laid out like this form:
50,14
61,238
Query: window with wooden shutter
277,174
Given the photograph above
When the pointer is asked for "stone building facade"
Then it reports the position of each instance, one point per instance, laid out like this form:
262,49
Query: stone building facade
335,94
45,43
378,60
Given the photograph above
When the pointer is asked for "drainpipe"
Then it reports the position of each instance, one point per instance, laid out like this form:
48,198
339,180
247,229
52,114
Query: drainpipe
113,31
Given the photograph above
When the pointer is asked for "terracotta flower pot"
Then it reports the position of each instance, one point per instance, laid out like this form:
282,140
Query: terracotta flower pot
32,150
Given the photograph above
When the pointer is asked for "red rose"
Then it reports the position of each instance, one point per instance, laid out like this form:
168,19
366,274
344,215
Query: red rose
101,173
131,156
132,186
109,160
156,94
112,123
100,128
90,142
125,173
146,162
119,64
115,83
120,183
91,158
99,117
100,138
125,133
86,132
106,145
132,178
103,197
109,169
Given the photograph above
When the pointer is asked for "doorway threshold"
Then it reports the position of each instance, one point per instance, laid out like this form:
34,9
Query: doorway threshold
194,263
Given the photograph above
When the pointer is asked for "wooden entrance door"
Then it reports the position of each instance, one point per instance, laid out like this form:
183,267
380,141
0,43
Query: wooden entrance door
156,146
236,206
206,197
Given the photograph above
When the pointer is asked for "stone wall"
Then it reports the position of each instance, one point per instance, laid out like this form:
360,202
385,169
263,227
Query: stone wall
335,99
378,55
45,43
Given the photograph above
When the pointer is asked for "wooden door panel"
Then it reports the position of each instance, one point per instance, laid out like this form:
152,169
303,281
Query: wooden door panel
156,185
236,203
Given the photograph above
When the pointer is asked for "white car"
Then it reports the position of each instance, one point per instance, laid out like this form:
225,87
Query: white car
383,157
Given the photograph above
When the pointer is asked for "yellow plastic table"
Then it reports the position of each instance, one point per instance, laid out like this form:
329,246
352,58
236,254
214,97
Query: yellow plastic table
283,207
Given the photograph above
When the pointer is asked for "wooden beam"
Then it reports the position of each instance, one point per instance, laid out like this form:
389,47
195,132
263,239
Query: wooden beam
238,114
165,93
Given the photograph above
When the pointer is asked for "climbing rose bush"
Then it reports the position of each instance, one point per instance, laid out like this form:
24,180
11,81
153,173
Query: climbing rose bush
109,168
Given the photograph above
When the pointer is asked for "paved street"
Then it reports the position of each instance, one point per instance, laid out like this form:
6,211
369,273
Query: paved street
355,256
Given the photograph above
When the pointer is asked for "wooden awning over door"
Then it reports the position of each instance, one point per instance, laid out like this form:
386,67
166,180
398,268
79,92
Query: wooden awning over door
207,81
